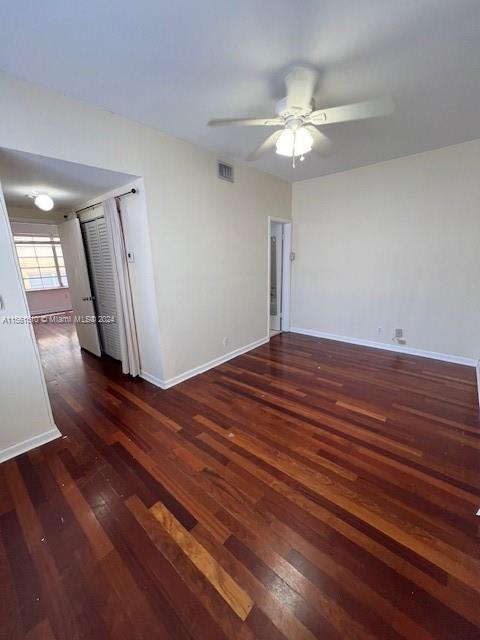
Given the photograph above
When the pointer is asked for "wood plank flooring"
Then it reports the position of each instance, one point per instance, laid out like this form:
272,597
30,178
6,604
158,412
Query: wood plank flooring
307,489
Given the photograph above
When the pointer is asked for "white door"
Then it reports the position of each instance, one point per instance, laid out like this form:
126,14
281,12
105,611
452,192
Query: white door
79,284
276,275
103,283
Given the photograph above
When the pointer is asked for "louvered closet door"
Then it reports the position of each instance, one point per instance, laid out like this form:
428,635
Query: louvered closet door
103,284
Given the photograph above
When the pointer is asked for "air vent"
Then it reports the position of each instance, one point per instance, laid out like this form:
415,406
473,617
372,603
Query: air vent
225,171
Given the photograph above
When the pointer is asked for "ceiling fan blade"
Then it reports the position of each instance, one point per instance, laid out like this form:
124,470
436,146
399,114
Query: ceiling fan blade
300,87
356,111
321,144
269,143
250,122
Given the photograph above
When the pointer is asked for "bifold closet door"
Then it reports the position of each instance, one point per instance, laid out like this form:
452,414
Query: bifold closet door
103,284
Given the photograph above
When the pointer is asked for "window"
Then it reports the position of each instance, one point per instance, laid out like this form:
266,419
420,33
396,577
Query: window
41,261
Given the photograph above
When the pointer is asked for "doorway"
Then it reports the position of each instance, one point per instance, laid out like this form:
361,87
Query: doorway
72,255
279,260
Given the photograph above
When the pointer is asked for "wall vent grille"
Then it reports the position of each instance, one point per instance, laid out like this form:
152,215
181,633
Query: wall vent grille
225,171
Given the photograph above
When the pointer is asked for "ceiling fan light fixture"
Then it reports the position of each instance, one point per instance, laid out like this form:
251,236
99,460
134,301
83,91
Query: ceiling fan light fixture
294,143
298,116
44,202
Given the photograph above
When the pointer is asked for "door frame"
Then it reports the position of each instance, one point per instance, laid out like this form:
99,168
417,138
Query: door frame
286,274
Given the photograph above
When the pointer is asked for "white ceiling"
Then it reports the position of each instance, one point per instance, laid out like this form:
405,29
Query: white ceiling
68,183
175,65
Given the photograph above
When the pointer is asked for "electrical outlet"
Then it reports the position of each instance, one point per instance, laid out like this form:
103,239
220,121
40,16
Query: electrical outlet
380,331
226,340
398,333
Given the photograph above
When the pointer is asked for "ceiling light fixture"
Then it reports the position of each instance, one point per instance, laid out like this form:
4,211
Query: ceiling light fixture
43,202
293,143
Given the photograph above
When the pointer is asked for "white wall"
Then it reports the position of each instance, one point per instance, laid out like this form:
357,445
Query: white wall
213,256
22,424
208,237
390,245
46,301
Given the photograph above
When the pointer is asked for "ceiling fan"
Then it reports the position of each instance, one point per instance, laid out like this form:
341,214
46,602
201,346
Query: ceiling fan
298,118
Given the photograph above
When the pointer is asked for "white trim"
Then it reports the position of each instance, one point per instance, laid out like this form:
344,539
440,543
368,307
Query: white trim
53,222
47,312
158,382
477,366
287,268
166,384
48,289
27,445
446,357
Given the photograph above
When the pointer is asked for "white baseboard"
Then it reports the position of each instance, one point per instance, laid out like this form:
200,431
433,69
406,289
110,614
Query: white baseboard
158,382
27,445
477,366
171,382
46,312
446,357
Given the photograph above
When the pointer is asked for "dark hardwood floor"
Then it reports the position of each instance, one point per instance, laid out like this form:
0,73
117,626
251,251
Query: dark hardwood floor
307,489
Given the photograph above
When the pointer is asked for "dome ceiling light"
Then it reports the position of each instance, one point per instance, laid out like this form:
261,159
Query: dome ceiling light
42,200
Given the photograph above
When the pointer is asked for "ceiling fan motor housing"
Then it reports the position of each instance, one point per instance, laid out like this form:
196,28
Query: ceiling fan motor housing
294,122
293,111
